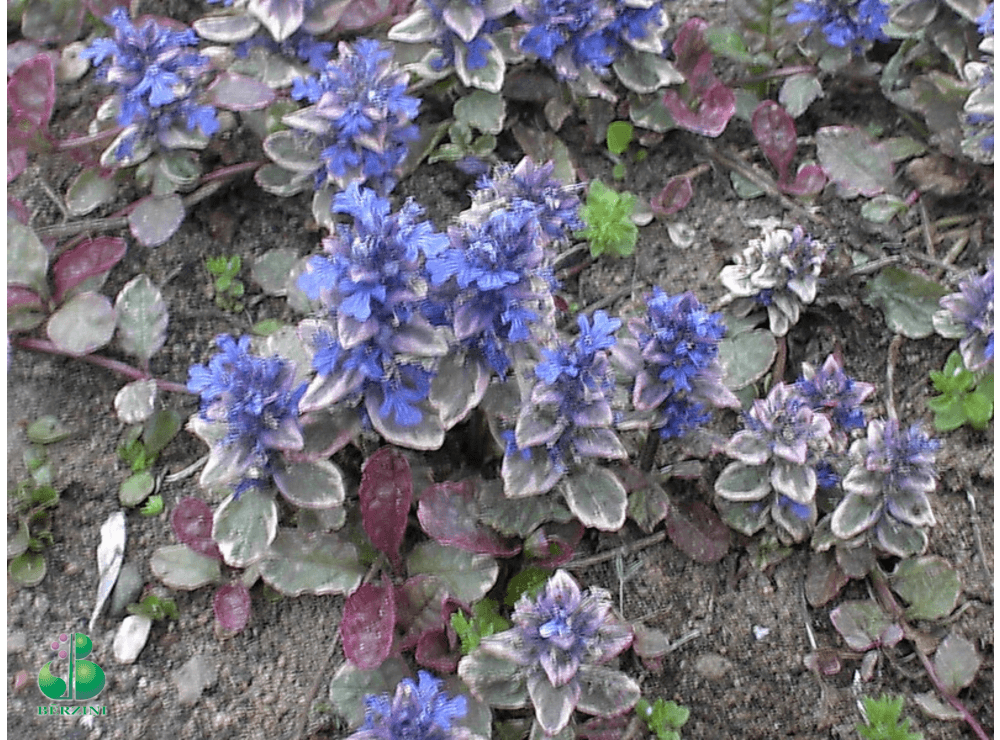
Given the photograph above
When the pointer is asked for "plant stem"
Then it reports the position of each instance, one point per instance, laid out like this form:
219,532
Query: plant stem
648,455
82,141
889,603
115,366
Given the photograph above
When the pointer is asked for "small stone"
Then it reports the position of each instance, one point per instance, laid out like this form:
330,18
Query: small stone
127,589
16,642
712,666
194,677
760,633
131,638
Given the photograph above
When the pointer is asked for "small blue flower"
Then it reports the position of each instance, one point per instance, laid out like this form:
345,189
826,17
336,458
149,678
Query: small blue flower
157,78
968,315
843,23
568,35
419,710
675,357
985,21
832,391
254,400
361,117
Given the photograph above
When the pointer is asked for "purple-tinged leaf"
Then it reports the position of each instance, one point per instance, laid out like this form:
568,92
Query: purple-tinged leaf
17,158
715,109
182,568
676,194
448,513
775,132
22,299
156,218
231,605
956,662
648,642
854,161
697,531
690,45
191,521
385,493
18,211
930,585
864,625
553,544
31,91
240,93
435,651
92,257
824,578
142,318
368,623
603,728
360,14
809,180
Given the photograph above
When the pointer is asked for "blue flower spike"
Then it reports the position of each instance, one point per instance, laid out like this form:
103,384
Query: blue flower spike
418,710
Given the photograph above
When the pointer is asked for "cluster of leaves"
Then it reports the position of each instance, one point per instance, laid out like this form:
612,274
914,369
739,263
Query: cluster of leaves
883,721
228,289
140,447
966,397
33,501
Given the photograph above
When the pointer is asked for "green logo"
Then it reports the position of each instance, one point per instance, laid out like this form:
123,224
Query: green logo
84,678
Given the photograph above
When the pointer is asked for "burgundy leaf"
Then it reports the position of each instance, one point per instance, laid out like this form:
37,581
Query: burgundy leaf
775,132
367,626
31,91
19,297
18,211
603,728
17,158
386,492
231,605
362,14
676,194
92,257
697,531
690,46
448,513
434,651
553,544
809,181
714,111
191,520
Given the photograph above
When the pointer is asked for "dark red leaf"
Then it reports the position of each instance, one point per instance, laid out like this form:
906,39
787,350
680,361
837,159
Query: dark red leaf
775,132
603,728
448,513
717,106
676,194
690,46
19,297
386,492
92,257
18,211
17,159
191,520
31,91
697,531
553,544
433,651
367,627
810,180
231,605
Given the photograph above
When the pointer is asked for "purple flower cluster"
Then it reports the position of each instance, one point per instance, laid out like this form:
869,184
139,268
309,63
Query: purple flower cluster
887,489
158,79
249,408
778,460
968,315
559,640
374,340
843,23
572,36
419,710
673,355
360,118
831,391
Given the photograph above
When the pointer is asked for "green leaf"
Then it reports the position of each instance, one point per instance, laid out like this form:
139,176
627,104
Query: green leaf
728,42
930,585
908,300
153,507
664,718
798,92
529,582
136,488
27,569
619,136
482,110
244,527
18,542
608,218
596,497
266,327
180,567
159,429
142,318
311,485
956,662
46,430
485,621
308,562
271,270
88,191
468,576
350,686
746,357
156,218
27,258
882,720
854,161
134,402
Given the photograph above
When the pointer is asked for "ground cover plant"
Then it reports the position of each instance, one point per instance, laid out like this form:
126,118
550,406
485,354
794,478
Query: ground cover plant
430,412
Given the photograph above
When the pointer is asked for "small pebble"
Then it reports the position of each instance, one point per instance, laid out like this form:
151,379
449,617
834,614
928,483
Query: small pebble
16,642
712,666
194,677
760,633
127,589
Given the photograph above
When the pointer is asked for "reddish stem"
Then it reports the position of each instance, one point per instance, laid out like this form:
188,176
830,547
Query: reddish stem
115,366
82,141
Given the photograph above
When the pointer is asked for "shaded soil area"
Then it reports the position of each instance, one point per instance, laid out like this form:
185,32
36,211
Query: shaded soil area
741,635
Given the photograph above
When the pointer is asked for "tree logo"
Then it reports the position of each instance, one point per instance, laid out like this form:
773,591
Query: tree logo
84,678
